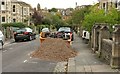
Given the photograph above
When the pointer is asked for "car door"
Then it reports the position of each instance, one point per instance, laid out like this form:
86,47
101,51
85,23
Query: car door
1,39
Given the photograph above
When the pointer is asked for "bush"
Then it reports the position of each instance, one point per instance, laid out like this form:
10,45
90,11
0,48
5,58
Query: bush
20,25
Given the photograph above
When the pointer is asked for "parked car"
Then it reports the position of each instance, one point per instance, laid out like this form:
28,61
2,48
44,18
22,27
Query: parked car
45,33
1,39
24,34
86,35
65,33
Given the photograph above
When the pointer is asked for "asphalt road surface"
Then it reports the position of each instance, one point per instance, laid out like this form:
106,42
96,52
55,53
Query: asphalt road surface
16,58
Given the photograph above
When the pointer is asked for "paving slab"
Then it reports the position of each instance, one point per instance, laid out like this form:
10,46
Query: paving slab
87,61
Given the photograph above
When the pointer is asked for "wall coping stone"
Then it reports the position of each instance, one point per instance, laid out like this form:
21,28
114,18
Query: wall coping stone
108,41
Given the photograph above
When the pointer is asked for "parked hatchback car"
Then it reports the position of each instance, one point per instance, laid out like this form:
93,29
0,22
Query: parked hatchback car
65,33
1,39
24,34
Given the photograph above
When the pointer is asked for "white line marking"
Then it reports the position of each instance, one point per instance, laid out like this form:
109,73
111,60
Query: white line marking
4,50
25,61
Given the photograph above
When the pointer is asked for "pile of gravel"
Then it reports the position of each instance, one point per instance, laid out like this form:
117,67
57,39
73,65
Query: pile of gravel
54,49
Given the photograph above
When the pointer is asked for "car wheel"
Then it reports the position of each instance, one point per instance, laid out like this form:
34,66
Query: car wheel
16,40
30,38
34,37
72,38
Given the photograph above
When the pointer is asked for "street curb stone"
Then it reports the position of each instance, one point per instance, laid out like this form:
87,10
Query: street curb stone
71,65
60,67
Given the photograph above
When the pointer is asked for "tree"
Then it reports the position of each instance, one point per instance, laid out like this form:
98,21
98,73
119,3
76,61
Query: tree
98,16
37,18
38,7
19,24
78,15
53,10
46,21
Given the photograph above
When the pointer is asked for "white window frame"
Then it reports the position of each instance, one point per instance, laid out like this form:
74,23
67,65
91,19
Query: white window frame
2,19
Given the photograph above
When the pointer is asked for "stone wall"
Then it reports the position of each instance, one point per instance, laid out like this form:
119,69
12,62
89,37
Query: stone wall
8,32
106,48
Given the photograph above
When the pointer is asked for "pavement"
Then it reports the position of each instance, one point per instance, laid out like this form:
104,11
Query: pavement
9,41
86,60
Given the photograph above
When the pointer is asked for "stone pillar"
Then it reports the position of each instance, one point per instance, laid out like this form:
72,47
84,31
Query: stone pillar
103,34
8,32
96,37
11,33
115,60
92,37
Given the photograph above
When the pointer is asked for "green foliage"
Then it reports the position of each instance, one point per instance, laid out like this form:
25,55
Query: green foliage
53,10
46,21
36,17
78,15
98,16
20,25
31,26
118,17
93,17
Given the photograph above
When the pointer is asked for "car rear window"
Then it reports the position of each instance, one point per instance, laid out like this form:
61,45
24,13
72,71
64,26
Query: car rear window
65,29
20,30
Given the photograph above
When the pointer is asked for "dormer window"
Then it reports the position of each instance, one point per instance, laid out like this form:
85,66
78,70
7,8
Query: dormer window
116,4
13,8
104,5
3,3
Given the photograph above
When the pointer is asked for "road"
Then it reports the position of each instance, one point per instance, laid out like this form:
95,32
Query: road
16,58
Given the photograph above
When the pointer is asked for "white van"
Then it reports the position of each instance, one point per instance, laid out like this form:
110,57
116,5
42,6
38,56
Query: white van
86,35
1,39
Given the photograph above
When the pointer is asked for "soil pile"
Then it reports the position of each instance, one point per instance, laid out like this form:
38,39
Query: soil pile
54,49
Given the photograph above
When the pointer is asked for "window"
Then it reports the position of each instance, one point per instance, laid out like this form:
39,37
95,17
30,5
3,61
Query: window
104,5
3,19
30,14
13,8
3,12
116,5
30,23
3,3
14,20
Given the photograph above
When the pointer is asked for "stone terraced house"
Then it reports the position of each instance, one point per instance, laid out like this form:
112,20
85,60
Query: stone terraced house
107,4
15,11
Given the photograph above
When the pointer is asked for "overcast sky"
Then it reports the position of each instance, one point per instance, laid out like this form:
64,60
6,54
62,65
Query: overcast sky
59,3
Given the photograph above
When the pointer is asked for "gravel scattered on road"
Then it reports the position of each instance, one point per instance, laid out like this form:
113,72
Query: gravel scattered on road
54,49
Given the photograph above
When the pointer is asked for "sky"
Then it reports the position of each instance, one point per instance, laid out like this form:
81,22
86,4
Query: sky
59,3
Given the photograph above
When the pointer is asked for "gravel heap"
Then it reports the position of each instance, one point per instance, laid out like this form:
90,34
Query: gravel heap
54,49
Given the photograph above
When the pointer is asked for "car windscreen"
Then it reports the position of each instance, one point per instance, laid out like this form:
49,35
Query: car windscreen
65,29
20,30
